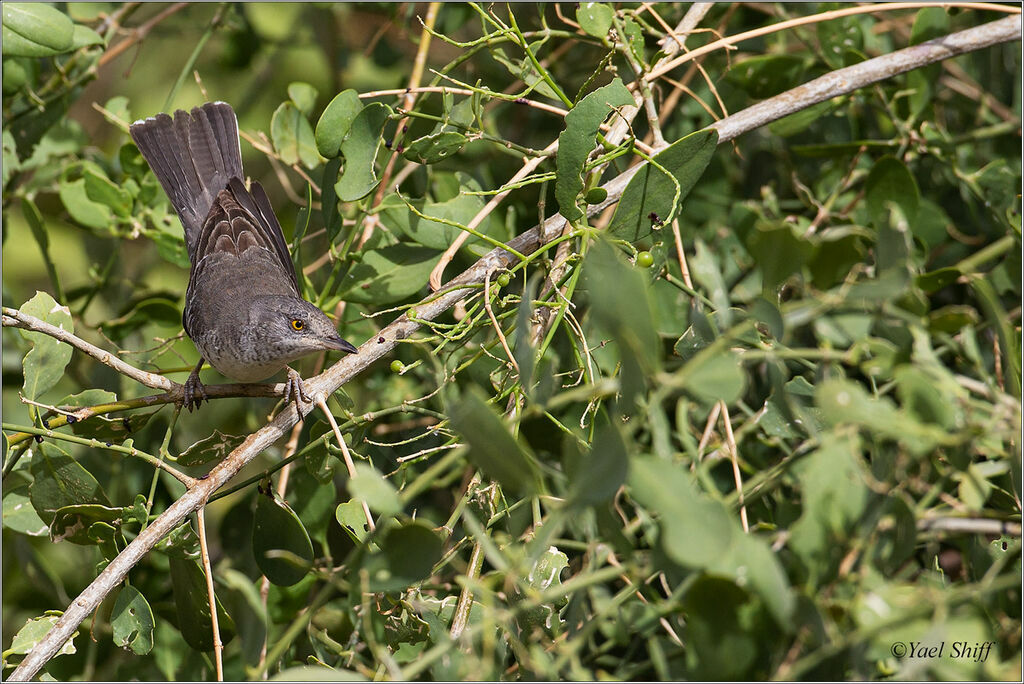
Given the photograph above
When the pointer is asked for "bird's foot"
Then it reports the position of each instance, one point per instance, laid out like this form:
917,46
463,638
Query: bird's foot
293,387
195,392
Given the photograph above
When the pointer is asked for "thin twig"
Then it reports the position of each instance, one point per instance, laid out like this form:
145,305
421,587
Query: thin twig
322,403
730,441
204,553
529,166
497,327
17,319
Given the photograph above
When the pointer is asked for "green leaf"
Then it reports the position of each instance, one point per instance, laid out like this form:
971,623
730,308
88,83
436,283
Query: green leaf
929,23
293,136
598,475
890,181
59,481
835,494
621,303
408,553
647,200
303,96
924,398
132,621
335,122
72,523
329,199
18,513
595,18
370,486
838,37
85,37
101,190
35,30
767,75
460,209
352,519
715,374
33,631
44,364
576,142
89,397
214,447
778,251
845,402
359,148
492,448
389,275
82,209
192,605
435,147
798,121
667,489
280,543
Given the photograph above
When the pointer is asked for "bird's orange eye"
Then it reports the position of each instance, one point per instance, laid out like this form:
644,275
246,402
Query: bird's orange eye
298,324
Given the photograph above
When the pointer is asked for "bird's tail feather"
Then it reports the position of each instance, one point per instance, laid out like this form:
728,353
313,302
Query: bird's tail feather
194,155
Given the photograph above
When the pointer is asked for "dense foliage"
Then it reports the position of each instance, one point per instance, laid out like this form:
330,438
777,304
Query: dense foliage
759,419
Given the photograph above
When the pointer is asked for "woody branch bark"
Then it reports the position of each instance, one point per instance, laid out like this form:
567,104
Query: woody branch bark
837,83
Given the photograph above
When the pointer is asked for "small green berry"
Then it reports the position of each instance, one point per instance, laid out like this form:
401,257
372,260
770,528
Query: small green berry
644,260
596,196
503,280
397,366
411,313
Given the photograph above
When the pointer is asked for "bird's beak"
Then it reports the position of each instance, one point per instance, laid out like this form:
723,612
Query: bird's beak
340,345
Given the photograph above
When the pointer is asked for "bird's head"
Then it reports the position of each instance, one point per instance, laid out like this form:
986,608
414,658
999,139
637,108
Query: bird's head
289,327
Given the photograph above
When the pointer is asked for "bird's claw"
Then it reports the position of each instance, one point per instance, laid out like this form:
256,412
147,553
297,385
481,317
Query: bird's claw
195,392
293,387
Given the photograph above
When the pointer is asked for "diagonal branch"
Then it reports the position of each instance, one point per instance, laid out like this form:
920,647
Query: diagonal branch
841,82
16,319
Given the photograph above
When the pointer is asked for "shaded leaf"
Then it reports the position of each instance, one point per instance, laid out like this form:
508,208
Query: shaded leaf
767,75
359,148
44,364
890,181
293,136
576,142
492,448
59,481
435,147
335,122
390,274
132,621
280,543
192,605
35,30
595,18
370,486
647,199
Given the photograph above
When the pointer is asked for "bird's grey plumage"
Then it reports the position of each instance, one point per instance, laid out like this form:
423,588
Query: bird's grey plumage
243,307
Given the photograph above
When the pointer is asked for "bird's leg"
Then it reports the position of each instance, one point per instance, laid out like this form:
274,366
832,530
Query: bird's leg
193,387
294,387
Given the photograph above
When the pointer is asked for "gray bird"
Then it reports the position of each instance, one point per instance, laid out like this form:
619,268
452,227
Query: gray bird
243,309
